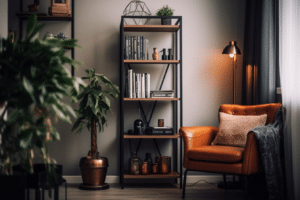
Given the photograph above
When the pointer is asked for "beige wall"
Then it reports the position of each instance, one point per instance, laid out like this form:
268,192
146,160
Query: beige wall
208,26
3,18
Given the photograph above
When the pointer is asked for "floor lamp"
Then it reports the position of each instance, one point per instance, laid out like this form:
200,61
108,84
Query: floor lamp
232,50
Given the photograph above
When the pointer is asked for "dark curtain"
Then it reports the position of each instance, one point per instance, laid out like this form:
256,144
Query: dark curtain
260,61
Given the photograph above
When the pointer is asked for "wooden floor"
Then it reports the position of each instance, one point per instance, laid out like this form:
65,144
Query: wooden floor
150,191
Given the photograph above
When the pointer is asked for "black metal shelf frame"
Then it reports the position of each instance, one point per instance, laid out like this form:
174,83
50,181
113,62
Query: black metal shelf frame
177,45
70,19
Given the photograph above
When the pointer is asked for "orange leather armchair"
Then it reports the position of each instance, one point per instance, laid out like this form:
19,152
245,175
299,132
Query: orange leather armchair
200,155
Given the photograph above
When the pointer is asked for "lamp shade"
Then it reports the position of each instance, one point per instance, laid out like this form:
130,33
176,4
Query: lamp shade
231,48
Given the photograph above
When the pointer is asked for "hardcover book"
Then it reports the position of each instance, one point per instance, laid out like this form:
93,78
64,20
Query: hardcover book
130,83
143,86
134,47
138,43
126,55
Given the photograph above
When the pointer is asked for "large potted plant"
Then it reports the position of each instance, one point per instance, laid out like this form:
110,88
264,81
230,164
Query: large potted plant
93,106
165,11
33,82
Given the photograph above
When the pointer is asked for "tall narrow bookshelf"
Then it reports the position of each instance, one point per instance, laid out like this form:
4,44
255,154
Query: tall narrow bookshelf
176,111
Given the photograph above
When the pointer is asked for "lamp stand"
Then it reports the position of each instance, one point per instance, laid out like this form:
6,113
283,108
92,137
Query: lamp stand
234,66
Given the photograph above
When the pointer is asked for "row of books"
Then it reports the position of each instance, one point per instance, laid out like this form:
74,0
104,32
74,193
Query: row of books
138,85
136,48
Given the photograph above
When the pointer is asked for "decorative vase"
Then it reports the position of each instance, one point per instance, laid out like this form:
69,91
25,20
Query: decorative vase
135,164
155,54
93,173
166,21
149,161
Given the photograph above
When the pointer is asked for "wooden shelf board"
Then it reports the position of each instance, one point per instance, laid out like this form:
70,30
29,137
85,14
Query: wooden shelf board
151,28
151,99
151,136
173,174
47,18
151,61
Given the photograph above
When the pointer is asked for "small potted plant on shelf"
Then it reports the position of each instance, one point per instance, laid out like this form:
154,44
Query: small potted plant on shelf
33,82
165,11
93,106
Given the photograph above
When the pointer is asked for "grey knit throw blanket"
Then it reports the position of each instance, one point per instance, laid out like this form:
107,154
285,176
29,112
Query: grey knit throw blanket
269,144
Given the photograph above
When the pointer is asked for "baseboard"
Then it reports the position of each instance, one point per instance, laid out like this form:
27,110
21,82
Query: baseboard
190,179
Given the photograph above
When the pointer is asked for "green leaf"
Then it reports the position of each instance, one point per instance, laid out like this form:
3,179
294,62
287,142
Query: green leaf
60,114
28,87
83,104
37,29
77,123
107,101
79,82
92,104
70,109
90,72
81,95
25,138
112,94
55,135
31,24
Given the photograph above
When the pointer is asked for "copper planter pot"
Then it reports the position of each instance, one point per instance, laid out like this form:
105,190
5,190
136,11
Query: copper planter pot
93,173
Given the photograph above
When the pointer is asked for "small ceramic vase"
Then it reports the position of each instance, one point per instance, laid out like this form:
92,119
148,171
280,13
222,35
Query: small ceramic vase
155,54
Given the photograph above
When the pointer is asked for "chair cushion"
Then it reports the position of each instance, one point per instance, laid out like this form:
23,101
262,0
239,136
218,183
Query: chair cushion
217,153
233,129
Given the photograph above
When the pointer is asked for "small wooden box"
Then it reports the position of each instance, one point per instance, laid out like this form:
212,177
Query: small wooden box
60,9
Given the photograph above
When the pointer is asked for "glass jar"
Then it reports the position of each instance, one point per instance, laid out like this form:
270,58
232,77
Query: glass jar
135,164
149,160
155,168
145,168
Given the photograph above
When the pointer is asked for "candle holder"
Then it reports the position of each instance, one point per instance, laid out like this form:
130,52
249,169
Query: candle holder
164,164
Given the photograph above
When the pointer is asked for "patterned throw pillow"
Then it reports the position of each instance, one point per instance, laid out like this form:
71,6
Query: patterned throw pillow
233,129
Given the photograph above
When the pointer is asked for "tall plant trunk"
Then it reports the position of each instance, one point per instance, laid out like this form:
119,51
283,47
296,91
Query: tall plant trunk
93,138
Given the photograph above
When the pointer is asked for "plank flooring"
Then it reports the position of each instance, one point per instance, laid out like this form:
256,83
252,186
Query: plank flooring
150,192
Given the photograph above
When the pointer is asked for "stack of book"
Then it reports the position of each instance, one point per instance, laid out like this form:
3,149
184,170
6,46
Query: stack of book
162,94
136,48
137,85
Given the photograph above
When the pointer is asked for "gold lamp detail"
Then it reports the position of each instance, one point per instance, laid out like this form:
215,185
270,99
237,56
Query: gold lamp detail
232,50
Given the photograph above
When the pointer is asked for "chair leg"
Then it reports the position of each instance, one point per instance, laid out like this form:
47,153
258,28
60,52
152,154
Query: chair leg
247,184
224,179
66,186
184,183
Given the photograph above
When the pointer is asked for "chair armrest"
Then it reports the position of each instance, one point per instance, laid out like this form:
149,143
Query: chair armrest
251,158
196,136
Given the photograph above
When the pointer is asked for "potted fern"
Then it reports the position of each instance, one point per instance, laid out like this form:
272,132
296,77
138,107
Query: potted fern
93,106
165,11
33,82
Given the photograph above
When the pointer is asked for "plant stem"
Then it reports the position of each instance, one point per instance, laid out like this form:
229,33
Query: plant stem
93,138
